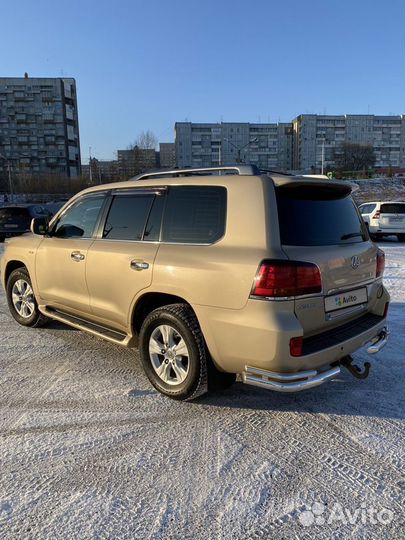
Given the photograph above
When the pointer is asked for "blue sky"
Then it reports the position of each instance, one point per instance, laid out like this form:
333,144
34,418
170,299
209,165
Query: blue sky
146,64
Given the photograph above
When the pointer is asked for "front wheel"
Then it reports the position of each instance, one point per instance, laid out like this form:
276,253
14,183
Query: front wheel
173,352
21,299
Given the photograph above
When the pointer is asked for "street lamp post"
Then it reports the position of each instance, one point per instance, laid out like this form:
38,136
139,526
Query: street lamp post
323,156
240,148
10,180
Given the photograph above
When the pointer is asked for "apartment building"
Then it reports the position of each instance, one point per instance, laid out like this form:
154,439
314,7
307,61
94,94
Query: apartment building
317,135
135,161
300,145
39,128
167,155
205,145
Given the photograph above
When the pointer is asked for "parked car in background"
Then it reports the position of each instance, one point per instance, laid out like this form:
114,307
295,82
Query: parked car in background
16,219
273,277
384,218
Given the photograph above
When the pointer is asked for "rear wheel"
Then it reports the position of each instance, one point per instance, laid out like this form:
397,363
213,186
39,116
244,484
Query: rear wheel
21,299
401,237
173,352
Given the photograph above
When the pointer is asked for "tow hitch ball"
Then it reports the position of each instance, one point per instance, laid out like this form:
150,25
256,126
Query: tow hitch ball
355,370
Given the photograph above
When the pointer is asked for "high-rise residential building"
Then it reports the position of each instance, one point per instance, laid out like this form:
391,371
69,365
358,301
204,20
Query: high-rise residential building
323,135
39,128
300,145
167,155
205,145
135,161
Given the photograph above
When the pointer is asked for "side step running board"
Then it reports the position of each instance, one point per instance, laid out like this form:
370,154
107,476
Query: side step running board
109,334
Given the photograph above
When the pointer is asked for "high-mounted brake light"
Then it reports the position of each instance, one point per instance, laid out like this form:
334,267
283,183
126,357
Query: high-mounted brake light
279,278
380,263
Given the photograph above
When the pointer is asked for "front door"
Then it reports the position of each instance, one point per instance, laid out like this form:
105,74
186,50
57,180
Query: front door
60,263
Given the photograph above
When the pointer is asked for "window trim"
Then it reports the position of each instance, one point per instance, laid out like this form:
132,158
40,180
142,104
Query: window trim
95,194
194,243
154,191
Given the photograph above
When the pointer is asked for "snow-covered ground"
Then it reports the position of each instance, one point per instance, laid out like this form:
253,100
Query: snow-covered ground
89,451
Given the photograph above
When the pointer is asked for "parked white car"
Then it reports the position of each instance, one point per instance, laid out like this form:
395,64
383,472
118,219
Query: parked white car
384,218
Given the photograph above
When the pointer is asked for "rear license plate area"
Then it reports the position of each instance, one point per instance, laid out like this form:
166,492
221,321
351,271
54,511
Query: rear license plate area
347,299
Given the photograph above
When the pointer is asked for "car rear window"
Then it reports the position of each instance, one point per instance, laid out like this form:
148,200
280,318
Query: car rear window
392,208
194,214
14,213
318,216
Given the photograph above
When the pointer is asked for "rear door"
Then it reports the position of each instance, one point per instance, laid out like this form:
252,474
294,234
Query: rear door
321,225
392,217
120,261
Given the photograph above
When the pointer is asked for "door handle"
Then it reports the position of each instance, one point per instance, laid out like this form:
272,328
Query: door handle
77,256
139,265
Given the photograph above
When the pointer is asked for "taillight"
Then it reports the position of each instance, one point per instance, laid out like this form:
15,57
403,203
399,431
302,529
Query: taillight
387,305
380,263
286,278
296,346
376,215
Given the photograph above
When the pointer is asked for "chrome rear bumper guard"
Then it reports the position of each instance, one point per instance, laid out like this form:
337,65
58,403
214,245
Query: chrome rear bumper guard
378,342
288,382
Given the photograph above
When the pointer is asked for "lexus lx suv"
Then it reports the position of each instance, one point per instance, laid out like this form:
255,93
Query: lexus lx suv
210,273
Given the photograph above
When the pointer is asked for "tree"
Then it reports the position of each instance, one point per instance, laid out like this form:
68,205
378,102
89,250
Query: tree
146,140
355,157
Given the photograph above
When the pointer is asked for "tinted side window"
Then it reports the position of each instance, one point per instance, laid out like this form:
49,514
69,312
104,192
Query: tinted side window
392,208
152,229
127,217
80,219
367,209
195,214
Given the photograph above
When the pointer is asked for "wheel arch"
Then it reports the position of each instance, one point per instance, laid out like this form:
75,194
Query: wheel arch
10,267
149,302
153,300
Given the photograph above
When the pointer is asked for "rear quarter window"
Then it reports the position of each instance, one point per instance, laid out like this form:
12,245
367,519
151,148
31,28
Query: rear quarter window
194,214
318,216
367,208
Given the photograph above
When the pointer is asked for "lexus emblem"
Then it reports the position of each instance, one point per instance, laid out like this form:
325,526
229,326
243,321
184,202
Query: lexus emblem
355,262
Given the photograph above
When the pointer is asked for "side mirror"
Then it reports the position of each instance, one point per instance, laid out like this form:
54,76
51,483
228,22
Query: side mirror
39,225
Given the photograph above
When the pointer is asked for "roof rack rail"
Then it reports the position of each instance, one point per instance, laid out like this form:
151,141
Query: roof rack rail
246,170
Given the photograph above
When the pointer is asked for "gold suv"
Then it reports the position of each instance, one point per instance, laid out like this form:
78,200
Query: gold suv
211,273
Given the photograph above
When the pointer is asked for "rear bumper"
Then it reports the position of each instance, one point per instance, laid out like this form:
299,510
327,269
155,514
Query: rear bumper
304,380
288,382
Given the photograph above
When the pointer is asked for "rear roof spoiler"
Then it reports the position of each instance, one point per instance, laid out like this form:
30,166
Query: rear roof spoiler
300,181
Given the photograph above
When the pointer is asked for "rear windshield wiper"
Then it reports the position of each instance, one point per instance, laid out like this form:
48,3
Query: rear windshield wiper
351,235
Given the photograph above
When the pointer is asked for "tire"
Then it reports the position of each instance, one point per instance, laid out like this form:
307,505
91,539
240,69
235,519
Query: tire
165,331
401,237
25,311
